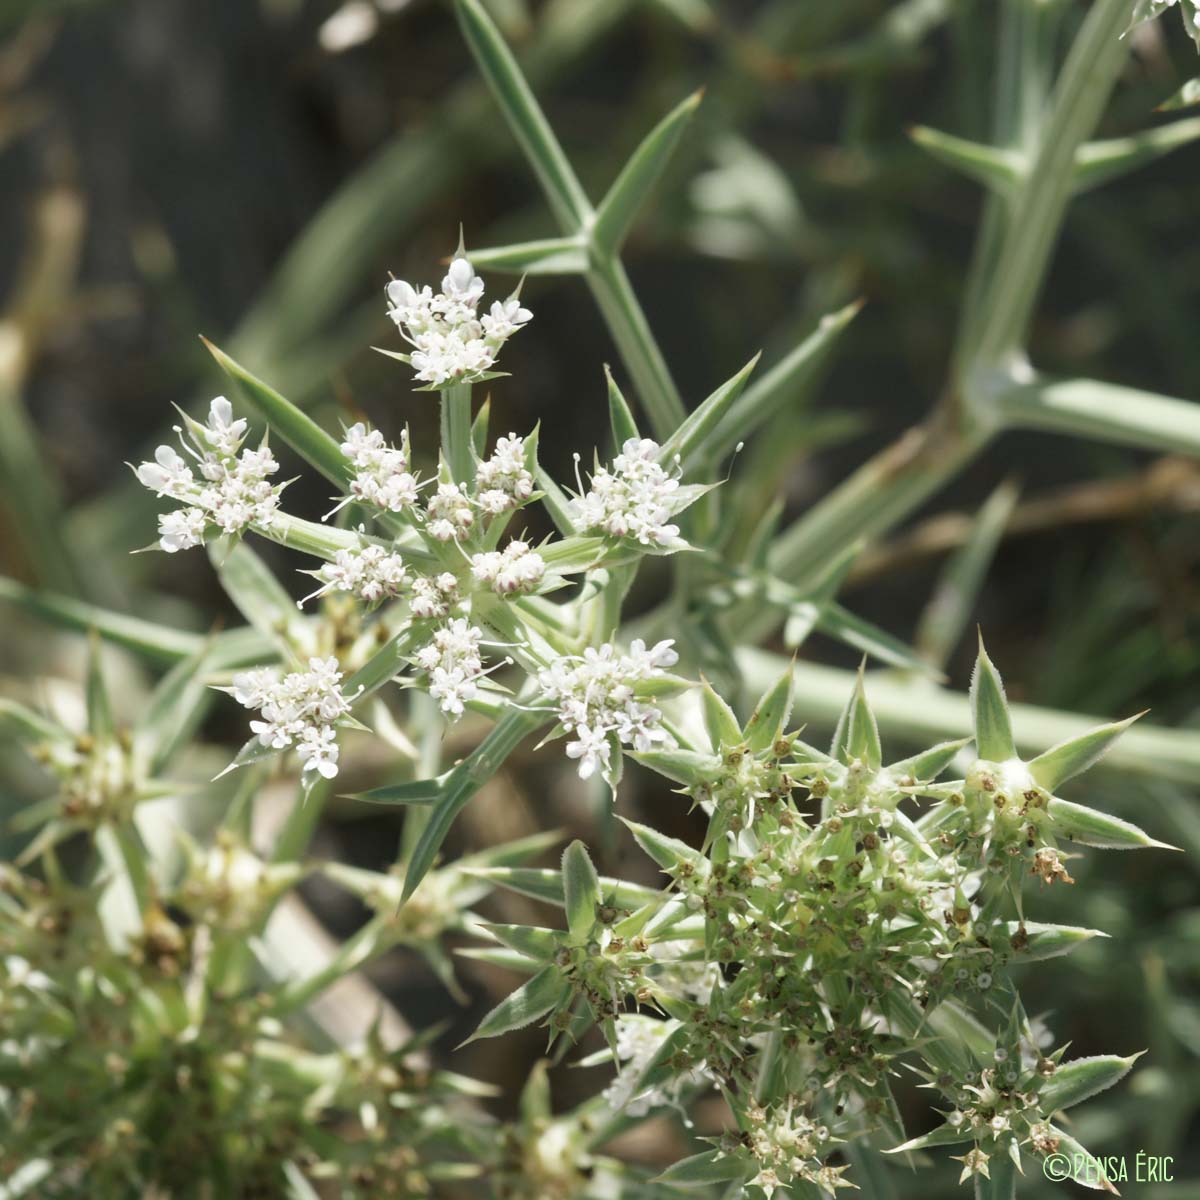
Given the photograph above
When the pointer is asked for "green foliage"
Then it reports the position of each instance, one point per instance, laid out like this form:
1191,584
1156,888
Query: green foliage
841,923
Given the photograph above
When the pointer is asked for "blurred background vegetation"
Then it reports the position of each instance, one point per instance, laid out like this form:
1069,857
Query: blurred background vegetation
253,169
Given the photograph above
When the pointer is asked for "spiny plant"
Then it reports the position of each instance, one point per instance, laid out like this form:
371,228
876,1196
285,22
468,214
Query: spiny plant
846,922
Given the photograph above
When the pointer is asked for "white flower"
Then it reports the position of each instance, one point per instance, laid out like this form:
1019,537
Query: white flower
516,568
454,664
505,318
432,598
502,482
301,709
450,342
232,492
596,700
634,498
181,529
448,512
369,572
223,433
381,474
168,475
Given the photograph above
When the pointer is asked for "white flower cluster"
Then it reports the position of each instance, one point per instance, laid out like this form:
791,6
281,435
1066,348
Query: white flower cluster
516,568
502,482
382,477
453,662
232,493
369,572
634,498
639,1039
595,695
433,597
448,512
300,710
451,342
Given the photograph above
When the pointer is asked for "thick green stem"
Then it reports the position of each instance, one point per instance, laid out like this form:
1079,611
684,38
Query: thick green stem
456,432
1106,411
1093,64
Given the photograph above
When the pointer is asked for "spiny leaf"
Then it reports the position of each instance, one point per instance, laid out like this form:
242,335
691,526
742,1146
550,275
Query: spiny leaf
463,782
782,385
382,666
943,1135
581,890
1074,756
620,416
545,991
857,734
994,167
837,622
296,428
771,714
617,210
929,764
1040,941
547,256
1088,827
418,791
699,1170
689,440
479,428
719,719
668,852
1099,162
535,1105
681,766
989,709
1076,1081
529,940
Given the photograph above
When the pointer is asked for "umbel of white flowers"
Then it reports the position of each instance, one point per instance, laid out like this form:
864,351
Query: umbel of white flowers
232,492
301,709
451,343
596,697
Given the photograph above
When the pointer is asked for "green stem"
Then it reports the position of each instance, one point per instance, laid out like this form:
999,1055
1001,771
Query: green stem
291,844
456,432
639,351
1106,411
1088,75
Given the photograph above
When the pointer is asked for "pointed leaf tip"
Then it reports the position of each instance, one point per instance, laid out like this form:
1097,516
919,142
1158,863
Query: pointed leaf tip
1076,755
989,708
581,890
